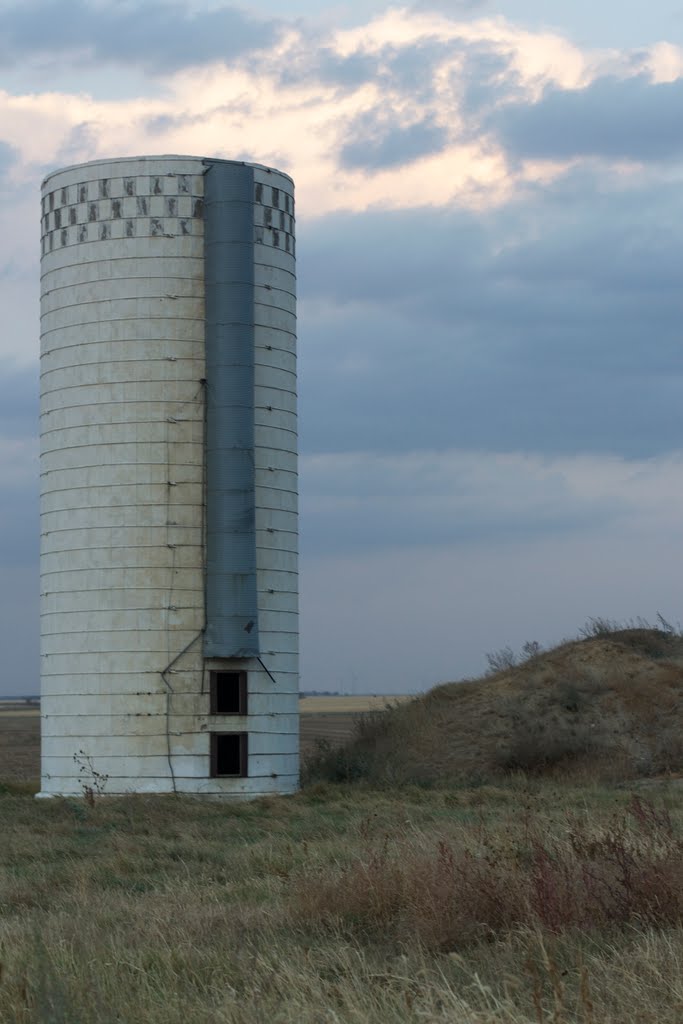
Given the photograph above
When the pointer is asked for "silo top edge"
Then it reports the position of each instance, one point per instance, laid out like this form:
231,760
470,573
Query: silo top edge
203,160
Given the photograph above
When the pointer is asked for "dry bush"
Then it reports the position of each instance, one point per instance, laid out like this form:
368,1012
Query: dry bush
375,752
441,898
630,871
666,750
537,745
501,661
329,762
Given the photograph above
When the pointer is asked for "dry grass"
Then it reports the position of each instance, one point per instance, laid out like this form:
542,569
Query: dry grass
341,906
451,894
540,897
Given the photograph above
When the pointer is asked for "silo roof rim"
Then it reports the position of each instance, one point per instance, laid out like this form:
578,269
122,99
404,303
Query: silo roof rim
205,160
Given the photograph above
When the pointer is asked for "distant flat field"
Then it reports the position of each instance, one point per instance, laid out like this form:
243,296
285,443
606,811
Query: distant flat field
351,705
347,705
19,743
322,718
333,718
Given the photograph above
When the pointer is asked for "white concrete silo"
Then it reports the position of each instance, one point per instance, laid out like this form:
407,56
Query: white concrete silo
169,636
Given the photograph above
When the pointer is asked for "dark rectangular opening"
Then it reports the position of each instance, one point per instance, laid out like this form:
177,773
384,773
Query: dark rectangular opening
229,754
229,693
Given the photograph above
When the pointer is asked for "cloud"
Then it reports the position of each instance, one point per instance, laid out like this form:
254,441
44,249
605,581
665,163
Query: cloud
19,517
19,630
8,157
550,325
307,63
19,298
18,403
19,531
398,111
19,461
367,501
375,140
159,35
413,70
404,69
486,78
615,118
450,7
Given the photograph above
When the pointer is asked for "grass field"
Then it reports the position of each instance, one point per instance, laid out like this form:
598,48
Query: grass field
343,905
536,896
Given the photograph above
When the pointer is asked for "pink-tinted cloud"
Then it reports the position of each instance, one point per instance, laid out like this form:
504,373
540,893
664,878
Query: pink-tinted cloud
391,112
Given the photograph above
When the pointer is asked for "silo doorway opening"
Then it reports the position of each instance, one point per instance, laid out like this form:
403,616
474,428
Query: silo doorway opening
228,693
229,754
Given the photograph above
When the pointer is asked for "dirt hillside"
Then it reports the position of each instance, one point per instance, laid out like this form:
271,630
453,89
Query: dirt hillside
607,707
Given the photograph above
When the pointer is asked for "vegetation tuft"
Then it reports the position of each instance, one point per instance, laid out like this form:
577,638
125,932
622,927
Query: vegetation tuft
626,871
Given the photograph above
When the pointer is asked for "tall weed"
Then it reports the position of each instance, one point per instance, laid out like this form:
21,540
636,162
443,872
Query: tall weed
628,871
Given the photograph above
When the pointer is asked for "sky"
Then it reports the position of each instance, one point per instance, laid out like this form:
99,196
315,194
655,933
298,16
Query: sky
489,242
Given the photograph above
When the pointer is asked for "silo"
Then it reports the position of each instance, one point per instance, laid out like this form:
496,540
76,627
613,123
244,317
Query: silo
169,636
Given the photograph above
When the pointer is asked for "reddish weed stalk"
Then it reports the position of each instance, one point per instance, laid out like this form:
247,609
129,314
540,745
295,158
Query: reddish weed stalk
458,893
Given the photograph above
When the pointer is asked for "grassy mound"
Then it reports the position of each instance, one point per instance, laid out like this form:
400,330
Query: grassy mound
606,707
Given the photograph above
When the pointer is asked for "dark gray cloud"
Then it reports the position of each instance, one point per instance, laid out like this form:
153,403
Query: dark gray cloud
8,156
159,35
368,502
166,123
19,618
486,77
312,61
455,7
20,540
375,140
18,452
403,69
19,529
78,144
552,325
18,403
410,69
617,118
